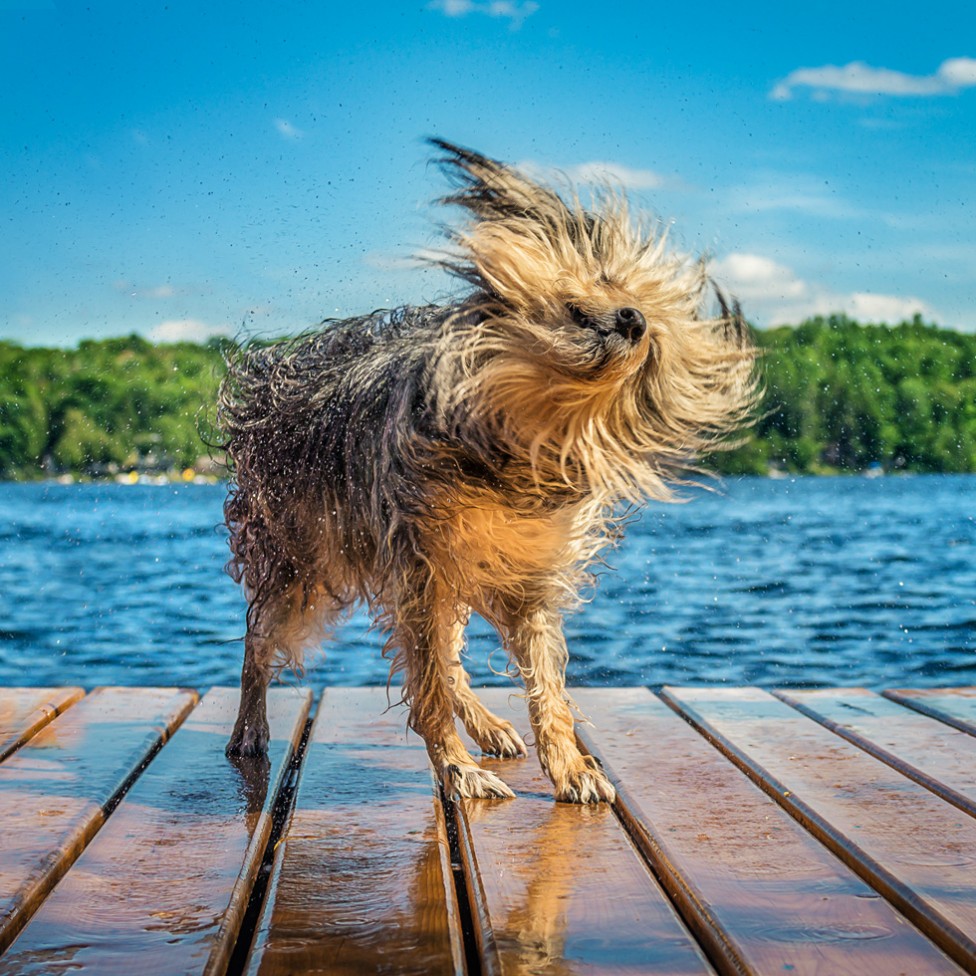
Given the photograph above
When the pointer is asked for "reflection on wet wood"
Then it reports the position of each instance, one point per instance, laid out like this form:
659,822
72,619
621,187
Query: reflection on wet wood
791,834
559,888
911,846
163,887
55,788
362,882
938,756
957,706
25,711
762,894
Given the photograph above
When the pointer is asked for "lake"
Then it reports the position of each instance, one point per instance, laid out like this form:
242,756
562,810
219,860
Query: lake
793,582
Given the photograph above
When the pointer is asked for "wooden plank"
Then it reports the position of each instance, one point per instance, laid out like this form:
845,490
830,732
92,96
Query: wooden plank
761,894
54,790
956,706
938,756
911,846
560,888
167,880
25,711
362,881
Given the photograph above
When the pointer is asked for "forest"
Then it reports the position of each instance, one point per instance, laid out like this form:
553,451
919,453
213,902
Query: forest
839,397
107,407
845,397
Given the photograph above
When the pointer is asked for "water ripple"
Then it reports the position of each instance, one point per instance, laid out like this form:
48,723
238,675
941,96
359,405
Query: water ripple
809,582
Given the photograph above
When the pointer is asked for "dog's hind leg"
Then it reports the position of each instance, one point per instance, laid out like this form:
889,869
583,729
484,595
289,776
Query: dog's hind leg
268,622
536,639
251,732
424,633
494,735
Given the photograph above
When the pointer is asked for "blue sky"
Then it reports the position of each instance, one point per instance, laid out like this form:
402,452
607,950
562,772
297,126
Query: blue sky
187,169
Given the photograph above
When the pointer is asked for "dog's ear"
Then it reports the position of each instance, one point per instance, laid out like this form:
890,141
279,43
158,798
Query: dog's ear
735,328
490,190
518,225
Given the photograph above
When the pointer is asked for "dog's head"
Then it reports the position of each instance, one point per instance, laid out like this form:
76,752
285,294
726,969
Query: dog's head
586,313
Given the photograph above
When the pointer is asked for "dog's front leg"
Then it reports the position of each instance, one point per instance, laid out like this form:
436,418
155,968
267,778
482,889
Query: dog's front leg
536,639
424,633
496,736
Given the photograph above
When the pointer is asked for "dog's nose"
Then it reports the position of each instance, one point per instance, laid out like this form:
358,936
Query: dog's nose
630,323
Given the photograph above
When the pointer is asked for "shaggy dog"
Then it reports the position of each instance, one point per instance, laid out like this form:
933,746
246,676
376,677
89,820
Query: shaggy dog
432,461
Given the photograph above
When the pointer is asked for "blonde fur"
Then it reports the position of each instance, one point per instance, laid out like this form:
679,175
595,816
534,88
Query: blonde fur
478,456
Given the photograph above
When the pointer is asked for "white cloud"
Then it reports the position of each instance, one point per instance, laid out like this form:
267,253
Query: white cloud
803,194
186,330
958,72
753,276
597,173
773,294
288,130
869,307
515,13
616,174
859,78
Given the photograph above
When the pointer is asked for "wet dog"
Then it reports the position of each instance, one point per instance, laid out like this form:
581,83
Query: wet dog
476,456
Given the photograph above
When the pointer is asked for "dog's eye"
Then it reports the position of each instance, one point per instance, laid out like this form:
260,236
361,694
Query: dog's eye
580,317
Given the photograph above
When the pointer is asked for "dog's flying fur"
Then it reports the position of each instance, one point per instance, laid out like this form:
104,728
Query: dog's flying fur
477,456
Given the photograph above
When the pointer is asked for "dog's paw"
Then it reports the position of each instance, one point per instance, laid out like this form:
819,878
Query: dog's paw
475,782
585,783
248,739
501,740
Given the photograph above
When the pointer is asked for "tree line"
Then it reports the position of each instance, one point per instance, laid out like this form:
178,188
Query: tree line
107,406
839,396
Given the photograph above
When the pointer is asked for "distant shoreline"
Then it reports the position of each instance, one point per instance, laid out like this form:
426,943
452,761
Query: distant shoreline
187,477
164,480
840,397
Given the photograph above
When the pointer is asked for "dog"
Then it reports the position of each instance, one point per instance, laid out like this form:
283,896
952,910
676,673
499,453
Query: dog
476,456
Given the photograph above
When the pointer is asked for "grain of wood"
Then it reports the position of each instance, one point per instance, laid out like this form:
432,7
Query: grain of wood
956,706
560,888
55,789
163,887
362,879
913,847
25,711
757,889
938,756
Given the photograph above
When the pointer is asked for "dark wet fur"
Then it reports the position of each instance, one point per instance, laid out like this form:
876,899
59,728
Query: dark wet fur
435,460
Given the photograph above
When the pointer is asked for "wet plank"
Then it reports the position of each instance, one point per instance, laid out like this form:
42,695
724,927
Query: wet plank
362,880
936,755
907,843
560,888
55,789
956,706
759,892
25,711
166,881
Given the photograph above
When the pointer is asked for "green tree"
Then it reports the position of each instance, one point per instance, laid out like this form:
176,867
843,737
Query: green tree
843,396
839,396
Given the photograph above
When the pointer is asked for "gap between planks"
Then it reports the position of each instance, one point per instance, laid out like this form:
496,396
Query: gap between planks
517,923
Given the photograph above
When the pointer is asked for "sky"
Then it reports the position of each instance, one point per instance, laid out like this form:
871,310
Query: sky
190,169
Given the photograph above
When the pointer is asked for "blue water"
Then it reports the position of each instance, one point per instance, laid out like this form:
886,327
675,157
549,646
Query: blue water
834,581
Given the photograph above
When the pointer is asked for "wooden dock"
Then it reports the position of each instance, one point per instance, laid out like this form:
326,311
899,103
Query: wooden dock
807,832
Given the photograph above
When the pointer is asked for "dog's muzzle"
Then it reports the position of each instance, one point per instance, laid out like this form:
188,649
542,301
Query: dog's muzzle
630,323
